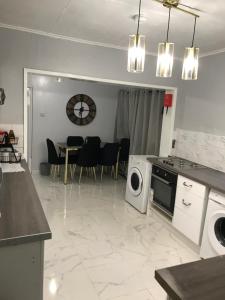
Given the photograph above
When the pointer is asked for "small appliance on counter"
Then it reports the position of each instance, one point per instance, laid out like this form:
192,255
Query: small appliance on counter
7,152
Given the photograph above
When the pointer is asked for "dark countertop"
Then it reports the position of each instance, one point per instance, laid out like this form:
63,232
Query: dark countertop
22,218
211,178
201,280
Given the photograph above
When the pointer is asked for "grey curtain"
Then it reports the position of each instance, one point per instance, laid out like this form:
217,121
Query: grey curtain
139,117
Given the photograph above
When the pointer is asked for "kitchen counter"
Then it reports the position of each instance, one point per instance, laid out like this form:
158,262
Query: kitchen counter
22,218
202,280
211,178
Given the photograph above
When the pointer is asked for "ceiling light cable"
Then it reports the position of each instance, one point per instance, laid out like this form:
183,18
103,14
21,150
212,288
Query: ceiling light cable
168,26
193,38
139,16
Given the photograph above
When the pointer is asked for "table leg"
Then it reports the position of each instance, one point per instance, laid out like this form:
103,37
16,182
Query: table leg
66,167
117,165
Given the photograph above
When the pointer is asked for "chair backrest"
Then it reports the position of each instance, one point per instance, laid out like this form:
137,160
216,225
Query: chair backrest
109,154
52,153
124,149
88,155
93,140
75,141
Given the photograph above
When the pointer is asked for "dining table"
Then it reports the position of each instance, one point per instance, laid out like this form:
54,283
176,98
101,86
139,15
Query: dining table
63,147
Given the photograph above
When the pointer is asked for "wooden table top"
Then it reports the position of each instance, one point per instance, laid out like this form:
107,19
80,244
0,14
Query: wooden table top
200,280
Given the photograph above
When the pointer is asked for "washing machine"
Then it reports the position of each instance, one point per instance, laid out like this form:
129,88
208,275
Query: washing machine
138,181
213,241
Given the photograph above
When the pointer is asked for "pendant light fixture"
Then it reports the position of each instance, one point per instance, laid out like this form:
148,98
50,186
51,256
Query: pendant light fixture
136,50
165,55
191,57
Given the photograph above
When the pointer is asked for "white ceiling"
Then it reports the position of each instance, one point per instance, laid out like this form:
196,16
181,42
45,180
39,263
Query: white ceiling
109,21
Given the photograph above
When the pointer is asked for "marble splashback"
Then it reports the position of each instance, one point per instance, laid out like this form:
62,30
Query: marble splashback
18,130
200,147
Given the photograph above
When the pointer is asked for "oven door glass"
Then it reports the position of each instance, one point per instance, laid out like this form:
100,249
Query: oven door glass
163,194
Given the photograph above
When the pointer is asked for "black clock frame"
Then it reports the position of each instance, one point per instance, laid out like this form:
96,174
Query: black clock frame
70,109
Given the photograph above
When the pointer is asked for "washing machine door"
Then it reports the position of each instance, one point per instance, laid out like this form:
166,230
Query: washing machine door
135,182
216,231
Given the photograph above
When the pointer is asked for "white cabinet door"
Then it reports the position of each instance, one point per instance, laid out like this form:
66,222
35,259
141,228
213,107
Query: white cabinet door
191,186
190,204
189,210
190,227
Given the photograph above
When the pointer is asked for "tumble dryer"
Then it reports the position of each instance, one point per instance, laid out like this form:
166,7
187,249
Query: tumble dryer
139,181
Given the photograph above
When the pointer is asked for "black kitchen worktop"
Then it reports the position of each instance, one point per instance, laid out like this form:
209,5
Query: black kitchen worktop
22,218
211,178
201,280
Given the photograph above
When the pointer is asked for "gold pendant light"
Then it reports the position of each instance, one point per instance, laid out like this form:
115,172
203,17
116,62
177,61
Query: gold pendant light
136,50
191,60
165,55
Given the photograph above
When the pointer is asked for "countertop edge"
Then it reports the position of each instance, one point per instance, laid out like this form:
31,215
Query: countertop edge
194,178
166,287
14,241
17,225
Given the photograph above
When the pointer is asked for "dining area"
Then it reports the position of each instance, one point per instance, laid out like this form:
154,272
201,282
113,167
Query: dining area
89,156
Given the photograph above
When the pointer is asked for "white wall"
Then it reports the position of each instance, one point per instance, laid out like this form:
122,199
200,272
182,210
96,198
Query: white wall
200,104
49,112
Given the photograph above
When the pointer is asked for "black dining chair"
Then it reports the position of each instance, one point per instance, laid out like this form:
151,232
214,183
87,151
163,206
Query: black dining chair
53,158
75,141
56,160
124,156
93,140
109,157
124,150
88,158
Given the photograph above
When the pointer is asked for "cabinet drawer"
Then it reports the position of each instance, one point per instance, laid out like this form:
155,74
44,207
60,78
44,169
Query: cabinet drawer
190,204
191,186
187,225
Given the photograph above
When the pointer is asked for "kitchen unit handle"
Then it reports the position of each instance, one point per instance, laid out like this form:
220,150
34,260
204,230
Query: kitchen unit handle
161,179
187,185
185,203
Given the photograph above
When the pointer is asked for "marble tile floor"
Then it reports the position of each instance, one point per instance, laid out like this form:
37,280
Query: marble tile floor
102,248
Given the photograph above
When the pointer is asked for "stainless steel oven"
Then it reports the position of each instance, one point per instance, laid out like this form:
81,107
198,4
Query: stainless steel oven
164,185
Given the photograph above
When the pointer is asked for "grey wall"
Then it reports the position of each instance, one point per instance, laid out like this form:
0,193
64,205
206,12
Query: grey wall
202,102
20,49
49,112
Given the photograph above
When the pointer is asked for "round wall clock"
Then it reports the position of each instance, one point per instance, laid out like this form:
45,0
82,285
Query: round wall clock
81,109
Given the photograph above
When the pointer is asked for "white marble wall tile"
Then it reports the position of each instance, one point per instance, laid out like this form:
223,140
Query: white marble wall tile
200,147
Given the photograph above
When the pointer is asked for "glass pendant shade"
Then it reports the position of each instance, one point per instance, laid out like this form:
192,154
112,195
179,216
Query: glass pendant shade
136,54
165,59
190,64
